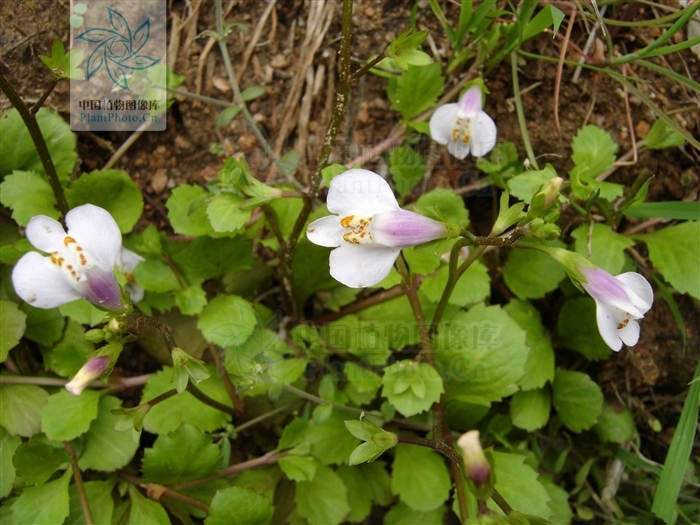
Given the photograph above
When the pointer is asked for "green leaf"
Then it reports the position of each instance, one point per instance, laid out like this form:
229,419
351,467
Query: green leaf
682,210
675,252
441,204
530,410
323,500
145,510
12,326
407,169
379,481
482,354
531,274
207,258
20,408
330,441
411,387
62,64
526,185
70,354
615,425
192,300
225,214
112,190
416,90
549,16
181,456
595,149
473,286
155,275
677,459
252,93
662,136
403,49
65,416
517,483
239,506
167,416
47,504
28,194
559,503
99,495
83,312
402,514
36,461
434,486
578,399
607,246
19,153
43,326
298,468
360,493
228,320
577,329
539,367
8,446
105,448
187,212
331,171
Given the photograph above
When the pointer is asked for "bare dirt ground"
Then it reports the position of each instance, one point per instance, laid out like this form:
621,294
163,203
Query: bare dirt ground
274,52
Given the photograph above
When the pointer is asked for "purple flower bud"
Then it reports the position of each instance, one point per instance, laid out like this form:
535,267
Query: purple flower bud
402,228
476,466
90,371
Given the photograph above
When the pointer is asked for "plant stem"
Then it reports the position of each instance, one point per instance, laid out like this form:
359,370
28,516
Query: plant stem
439,446
39,143
79,487
268,459
142,320
37,105
266,415
369,65
197,393
240,409
411,290
519,109
155,491
503,504
341,97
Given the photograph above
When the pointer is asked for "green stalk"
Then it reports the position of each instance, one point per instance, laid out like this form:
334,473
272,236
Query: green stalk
520,111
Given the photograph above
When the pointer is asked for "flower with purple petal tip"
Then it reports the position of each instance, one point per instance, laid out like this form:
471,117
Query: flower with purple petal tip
369,228
463,126
80,263
476,466
90,371
620,300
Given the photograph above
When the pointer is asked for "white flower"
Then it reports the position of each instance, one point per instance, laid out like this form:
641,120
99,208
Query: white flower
80,263
476,466
126,263
620,301
463,126
369,230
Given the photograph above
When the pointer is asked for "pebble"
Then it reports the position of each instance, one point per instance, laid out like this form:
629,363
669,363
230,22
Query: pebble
159,180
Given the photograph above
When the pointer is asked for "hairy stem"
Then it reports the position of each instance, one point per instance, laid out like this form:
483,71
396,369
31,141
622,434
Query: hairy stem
439,446
39,143
201,396
156,491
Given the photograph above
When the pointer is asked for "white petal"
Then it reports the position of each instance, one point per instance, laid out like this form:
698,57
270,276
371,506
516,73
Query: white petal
607,319
128,260
630,333
442,122
326,231
46,234
483,134
458,149
642,295
360,266
96,232
358,191
135,292
41,283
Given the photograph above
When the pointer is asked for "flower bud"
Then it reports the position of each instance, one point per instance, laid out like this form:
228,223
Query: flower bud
551,191
96,335
476,466
185,367
90,371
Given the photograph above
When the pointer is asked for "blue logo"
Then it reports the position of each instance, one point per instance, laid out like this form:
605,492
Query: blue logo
118,49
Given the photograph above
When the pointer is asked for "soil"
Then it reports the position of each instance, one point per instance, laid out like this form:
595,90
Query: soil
653,376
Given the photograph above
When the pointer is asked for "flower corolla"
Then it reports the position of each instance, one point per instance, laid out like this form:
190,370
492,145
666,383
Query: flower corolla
80,263
369,228
463,126
620,300
90,371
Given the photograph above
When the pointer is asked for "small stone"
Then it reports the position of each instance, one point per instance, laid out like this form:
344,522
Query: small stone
363,116
370,11
279,61
182,143
159,180
221,84
642,129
